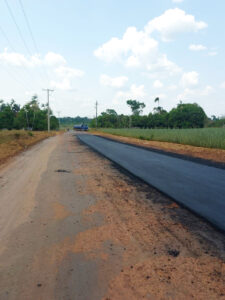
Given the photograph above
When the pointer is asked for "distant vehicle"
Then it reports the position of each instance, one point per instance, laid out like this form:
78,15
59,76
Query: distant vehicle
81,127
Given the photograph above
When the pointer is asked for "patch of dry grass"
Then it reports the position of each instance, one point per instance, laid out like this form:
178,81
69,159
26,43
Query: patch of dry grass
15,141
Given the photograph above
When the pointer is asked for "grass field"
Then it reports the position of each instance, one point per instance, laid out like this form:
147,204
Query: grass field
205,137
14,141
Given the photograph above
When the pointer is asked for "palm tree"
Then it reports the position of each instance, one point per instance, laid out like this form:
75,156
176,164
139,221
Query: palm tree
157,100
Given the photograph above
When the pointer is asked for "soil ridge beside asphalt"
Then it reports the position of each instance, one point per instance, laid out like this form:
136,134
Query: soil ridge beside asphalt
197,211
199,160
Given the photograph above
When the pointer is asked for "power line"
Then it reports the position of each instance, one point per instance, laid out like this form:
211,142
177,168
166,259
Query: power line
12,47
20,33
10,43
31,33
20,82
15,78
7,39
28,25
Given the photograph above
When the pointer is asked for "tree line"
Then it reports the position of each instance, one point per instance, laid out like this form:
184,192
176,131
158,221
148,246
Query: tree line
31,116
186,115
76,120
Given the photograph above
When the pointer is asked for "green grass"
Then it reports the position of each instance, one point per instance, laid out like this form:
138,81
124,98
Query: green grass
205,137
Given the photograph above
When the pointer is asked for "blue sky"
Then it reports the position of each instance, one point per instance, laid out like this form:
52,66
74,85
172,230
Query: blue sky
112,51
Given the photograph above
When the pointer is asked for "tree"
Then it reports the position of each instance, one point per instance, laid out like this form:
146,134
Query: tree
14,107
216,122
136,106
111,112
8,111
158,110
6,116
108,119
187,116
214,118
156,100
29,116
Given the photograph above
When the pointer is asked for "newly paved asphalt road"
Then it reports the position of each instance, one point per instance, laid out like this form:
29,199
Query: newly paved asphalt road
199,187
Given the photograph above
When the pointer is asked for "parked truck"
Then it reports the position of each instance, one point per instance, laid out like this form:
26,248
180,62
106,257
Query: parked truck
81,127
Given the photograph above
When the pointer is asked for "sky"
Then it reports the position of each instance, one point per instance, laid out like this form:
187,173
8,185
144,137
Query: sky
111,51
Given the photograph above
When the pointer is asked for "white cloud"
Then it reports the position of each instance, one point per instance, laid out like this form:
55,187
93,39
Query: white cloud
197,47
64,84
132,45
68,72
140,49
135,92
66,75
173,22
53,59
185,94
54,62
133,61
172,87
192,94
116,82
137,49
189,79
20,60
207,90
157,84
177,1
30,93
213,53
222,85
162,65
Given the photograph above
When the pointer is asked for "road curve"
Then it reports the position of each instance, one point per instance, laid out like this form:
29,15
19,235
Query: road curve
199,187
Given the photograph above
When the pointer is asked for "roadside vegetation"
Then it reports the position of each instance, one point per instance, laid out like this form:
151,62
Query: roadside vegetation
21,127
31,116
68,122
15,141
185,115
202,137
185,124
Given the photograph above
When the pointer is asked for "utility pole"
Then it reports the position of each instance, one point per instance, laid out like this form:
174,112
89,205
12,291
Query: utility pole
58,112
96,110
48,90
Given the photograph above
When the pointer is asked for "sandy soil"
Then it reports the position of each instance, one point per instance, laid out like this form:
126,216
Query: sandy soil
94,232
14,141
165,252
214,155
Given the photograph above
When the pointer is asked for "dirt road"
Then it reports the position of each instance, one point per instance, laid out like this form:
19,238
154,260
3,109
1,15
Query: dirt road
74,226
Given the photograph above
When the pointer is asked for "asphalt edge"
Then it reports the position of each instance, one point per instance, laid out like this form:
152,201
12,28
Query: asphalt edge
132,176
202,161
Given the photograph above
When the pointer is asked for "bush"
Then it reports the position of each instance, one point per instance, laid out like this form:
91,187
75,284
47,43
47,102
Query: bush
17,135
30,133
